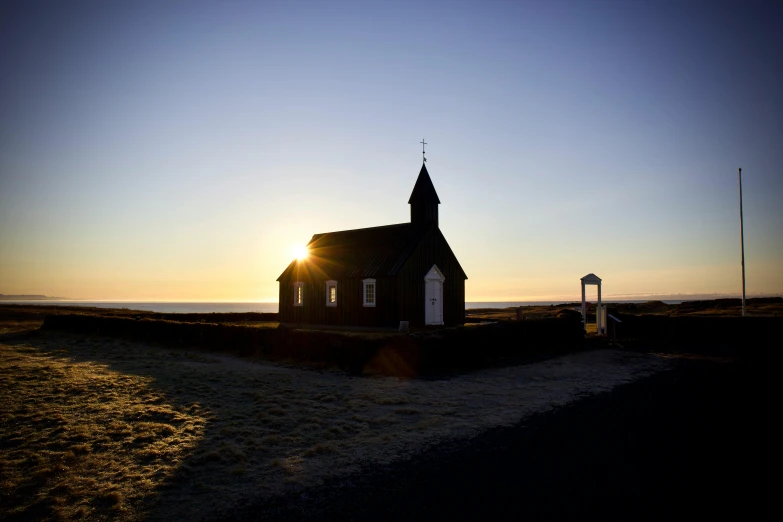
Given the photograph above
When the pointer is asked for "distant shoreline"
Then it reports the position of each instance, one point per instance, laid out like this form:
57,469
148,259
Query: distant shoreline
244,307
24,297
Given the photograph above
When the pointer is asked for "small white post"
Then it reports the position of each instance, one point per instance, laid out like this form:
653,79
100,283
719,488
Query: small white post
598,323
584,308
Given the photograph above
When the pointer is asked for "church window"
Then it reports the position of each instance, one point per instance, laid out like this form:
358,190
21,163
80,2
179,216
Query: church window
331,293
369,292
298,293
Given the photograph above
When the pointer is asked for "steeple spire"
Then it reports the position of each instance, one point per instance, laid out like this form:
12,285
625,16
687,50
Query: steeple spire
424,200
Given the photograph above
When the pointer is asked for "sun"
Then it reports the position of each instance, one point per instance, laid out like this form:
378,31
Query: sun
300,252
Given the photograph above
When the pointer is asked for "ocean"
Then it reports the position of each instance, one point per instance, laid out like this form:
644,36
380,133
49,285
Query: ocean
205,308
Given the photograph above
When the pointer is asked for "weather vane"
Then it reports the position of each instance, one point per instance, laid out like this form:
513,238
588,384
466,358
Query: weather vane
423,143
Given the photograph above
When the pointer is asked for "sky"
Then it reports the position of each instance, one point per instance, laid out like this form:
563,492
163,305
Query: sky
181,150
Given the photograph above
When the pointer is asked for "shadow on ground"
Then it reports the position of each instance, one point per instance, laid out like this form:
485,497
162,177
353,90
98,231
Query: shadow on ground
687,443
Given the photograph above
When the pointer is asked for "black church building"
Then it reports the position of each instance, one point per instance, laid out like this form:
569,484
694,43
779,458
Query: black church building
379,276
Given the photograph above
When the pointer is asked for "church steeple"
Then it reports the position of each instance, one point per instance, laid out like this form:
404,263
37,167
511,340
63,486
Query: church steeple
424,200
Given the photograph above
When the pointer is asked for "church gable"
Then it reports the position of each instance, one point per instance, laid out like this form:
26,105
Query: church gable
433,249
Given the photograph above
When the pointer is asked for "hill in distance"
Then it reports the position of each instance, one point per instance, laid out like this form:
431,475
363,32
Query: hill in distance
24,297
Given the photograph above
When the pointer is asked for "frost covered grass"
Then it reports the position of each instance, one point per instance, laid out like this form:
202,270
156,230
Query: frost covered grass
98,428
82,440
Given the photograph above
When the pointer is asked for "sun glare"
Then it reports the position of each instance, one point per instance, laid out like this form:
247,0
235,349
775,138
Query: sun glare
300,252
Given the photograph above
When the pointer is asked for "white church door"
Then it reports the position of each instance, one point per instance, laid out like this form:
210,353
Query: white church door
433,296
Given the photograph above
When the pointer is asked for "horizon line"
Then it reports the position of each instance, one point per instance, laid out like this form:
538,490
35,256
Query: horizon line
561,298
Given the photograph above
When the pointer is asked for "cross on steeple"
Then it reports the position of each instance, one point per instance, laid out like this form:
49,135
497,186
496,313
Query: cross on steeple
423,143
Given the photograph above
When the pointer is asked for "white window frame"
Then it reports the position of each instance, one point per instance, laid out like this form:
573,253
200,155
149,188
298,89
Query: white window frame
298,293
329,285
374,295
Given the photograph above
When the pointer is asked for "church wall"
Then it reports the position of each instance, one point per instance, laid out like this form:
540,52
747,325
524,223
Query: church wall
350,309
433,250
399,298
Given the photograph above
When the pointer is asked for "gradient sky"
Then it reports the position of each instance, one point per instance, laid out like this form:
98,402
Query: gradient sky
179,150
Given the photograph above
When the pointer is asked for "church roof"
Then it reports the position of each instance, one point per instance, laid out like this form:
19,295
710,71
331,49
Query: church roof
424,190
364,252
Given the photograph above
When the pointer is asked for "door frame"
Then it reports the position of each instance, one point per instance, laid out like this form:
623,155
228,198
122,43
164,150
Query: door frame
434,279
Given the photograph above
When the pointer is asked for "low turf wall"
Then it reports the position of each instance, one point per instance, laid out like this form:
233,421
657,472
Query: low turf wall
745,337
214,317
422,354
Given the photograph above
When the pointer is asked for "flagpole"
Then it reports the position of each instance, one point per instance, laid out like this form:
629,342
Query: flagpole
742,242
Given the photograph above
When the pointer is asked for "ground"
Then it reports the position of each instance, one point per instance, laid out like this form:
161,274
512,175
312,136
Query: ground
98,428
693,442
103,428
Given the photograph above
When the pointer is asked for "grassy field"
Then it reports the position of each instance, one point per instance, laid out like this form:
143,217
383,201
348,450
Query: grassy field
103,428
82,440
